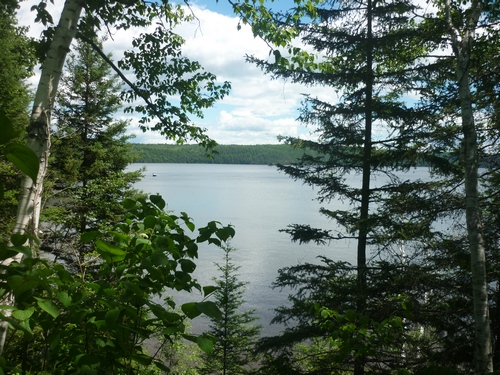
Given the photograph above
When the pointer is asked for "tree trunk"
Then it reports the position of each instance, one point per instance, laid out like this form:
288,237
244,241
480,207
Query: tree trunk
483,348
359,362
462,45
28,211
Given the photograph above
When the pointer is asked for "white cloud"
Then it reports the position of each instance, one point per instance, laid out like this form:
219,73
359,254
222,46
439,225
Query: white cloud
252,130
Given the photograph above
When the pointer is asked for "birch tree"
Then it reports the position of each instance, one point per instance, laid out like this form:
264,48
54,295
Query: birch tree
462,36
153,54
38,137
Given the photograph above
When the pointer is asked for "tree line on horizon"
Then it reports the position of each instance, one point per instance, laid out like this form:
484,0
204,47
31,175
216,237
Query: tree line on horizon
264,154
224,154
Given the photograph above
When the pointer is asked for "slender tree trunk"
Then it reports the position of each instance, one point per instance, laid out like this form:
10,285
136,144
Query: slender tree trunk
462,45
28,211
359,362
483,347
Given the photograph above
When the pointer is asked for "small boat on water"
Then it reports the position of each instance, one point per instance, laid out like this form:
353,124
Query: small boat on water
154,174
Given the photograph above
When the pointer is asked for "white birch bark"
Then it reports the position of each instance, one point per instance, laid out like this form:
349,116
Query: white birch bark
462,45
28,211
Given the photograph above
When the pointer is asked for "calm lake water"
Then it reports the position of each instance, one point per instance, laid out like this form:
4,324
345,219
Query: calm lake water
258,201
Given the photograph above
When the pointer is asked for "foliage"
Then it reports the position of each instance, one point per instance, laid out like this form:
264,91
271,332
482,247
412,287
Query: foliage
405,326
15,152
170,88
367,53
16,64
234,333
182,357
159,54
224,154
90,152
160,71
64,322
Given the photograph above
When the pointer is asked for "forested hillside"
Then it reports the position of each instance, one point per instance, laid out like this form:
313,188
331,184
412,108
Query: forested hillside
225,154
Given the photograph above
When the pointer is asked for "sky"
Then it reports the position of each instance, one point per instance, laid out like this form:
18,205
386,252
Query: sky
257,110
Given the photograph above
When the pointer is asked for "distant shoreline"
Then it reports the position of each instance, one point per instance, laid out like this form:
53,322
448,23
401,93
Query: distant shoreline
225,154
265,154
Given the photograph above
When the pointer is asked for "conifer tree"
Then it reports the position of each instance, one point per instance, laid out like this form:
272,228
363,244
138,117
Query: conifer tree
16,64
365,51
90,149
408,214
235,333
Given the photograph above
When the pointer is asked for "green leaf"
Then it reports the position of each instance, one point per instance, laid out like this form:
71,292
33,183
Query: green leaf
210,309
110,291
143,359
20,284
158,201
48,307
162,367
277,55
26,329
112,316
83,360
64,298
23,314
206,343
187,265
191,338
207,290
128,203
187,221
215,241
54,339
161,313
100,342
150,221
26,251
18,239
222,234
190,310
230,230
7,252
116,253
23,158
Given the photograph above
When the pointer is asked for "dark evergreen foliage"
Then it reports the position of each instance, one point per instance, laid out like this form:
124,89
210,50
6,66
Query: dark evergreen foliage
16,65
90,152
236,332
433,320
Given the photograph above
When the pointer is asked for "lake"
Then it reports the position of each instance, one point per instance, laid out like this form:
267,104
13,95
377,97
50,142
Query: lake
258,201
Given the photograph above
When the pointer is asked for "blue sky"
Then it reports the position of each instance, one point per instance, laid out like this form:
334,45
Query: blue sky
256,111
